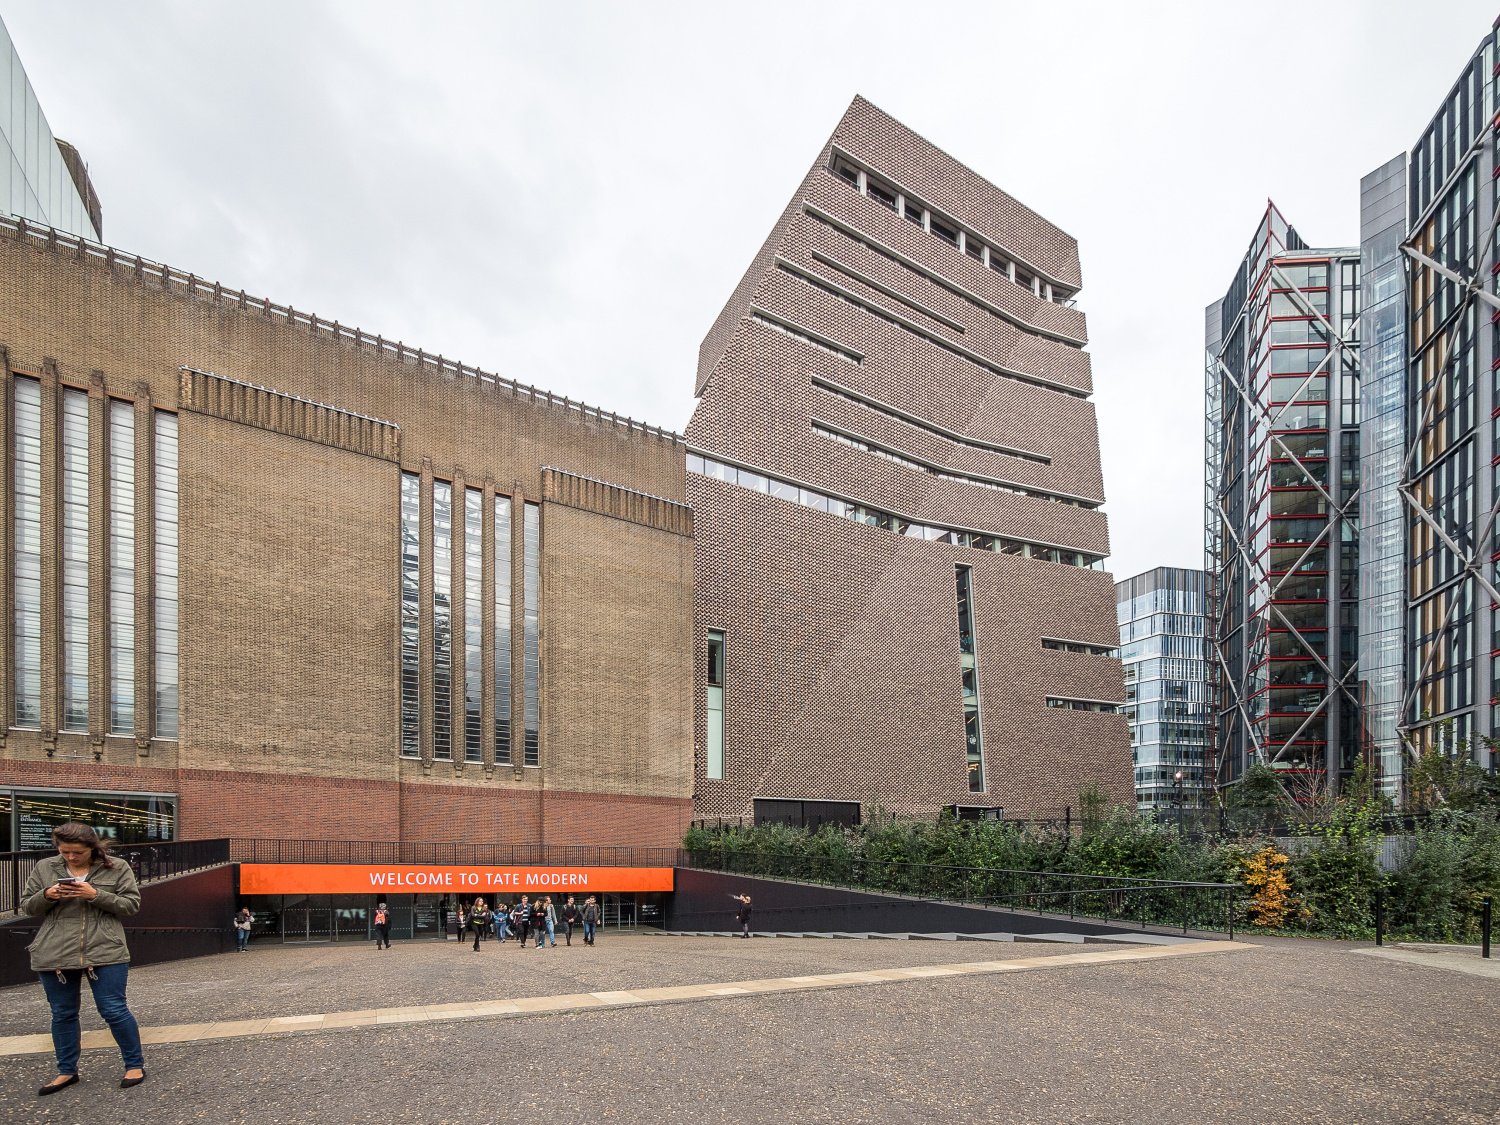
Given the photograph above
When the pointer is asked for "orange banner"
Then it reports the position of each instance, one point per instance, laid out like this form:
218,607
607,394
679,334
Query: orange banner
365,878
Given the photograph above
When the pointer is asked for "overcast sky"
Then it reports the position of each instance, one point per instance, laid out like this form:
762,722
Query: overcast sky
566,194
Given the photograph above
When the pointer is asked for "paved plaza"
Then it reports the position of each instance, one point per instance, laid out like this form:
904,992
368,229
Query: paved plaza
649,1028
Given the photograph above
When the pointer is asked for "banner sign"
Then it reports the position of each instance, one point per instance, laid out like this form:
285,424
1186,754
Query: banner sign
369,878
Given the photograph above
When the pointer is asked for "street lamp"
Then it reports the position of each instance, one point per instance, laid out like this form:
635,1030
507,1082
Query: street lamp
1177,798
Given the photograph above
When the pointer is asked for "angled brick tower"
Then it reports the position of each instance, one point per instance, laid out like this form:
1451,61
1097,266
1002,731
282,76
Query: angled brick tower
894,468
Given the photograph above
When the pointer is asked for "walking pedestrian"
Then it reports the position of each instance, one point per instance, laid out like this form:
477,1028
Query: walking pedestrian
242,923
590,919
382,924
81,894
520,918
546,923
502,923
479,921
571,916
742,915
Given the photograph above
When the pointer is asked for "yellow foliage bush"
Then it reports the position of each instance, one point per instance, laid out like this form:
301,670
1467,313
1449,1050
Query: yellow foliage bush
1272,905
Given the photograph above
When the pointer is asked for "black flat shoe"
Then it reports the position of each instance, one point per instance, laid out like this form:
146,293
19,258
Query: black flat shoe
54,1086
127,1083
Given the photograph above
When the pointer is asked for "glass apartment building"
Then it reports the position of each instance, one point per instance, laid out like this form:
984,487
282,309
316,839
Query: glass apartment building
42,180
1282,495
1166,685
1449,482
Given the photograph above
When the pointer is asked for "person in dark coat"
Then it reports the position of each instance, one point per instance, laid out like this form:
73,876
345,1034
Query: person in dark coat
479,921
742,915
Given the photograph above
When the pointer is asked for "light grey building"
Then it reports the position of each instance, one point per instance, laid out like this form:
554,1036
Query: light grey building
44,180
1161,615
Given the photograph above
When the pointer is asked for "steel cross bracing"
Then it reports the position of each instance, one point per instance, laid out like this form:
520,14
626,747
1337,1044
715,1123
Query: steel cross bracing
1337,516
1474,561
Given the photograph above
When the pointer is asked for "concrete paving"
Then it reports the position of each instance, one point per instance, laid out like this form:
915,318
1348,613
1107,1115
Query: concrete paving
1282,1031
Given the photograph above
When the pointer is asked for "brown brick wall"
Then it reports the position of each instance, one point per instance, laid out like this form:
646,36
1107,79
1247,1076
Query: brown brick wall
617,602
842,663
291,453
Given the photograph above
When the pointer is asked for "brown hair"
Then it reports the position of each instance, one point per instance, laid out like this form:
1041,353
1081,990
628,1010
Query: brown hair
74,833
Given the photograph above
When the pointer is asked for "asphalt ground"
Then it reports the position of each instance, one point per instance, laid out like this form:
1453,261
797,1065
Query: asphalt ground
1289,1031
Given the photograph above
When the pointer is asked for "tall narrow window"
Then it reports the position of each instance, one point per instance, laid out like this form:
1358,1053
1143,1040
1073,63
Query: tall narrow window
74,485
715,742
121,567
530,634
473,624
502,629
411,618
27,498
968,658
166,575
442,620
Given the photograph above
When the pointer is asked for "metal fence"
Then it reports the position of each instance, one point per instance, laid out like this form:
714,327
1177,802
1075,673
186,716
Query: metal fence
158,860
455,853
1211,907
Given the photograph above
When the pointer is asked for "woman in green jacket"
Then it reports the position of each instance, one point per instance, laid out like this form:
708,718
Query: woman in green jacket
81,894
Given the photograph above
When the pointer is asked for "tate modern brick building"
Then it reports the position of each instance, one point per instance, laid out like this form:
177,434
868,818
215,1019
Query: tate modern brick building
272,576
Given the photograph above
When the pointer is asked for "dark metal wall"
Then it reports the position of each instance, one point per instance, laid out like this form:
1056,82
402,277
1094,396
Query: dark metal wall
187,916
702,902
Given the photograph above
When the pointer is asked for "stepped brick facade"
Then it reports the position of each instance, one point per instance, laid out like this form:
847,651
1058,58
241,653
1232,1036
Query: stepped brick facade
894,472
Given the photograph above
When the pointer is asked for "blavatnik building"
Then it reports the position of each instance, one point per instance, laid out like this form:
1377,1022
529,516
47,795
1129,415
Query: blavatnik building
894,470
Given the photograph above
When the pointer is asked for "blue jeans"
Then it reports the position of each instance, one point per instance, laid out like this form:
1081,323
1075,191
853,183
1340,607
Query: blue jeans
241,938
551,935
502,929
588,932
109,998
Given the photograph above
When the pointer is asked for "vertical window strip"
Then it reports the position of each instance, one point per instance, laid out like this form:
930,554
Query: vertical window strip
121,567
74,486
530,636
411,619
502,629
715,706
26,498
442,620
473,624
166,575
968,658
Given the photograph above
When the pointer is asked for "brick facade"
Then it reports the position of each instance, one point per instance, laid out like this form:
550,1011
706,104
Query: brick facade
294,434
842,676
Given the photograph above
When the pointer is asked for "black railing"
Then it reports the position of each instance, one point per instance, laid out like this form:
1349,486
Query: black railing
452,853
1211,907
158,860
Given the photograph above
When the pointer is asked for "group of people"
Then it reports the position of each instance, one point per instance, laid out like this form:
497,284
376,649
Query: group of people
527,919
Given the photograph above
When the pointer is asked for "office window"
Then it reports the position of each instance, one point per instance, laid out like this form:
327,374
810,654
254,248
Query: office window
121,568
166,575
411,615
531,583
442,620
968,659
502,629
26,498
715,740
473,625
74,486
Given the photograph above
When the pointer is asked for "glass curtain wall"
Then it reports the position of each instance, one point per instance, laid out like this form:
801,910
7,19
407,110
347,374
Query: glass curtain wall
121,567
74,485
26,499
165,578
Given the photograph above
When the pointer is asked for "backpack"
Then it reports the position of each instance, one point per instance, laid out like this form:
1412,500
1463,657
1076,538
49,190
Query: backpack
380,917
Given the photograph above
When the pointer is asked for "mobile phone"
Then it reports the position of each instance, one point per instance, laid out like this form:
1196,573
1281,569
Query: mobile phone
71,881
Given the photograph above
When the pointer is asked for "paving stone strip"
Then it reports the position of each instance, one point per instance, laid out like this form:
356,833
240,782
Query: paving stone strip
636,997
